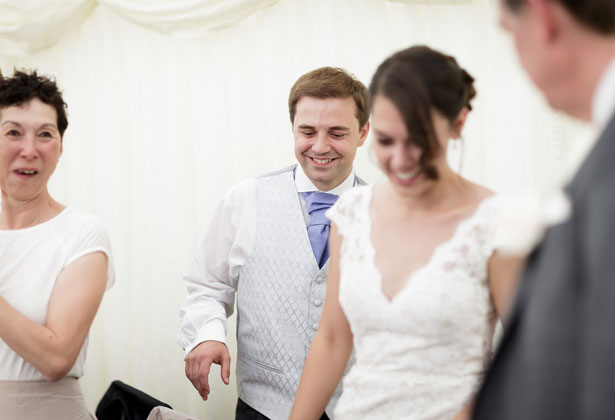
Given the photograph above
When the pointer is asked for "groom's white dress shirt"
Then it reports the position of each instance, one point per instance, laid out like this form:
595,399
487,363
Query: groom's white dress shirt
228,242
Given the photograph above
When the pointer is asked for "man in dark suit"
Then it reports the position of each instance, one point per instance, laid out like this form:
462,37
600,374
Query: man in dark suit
557,357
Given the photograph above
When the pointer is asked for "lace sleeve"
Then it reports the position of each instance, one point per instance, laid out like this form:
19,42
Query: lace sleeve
345,213
490,211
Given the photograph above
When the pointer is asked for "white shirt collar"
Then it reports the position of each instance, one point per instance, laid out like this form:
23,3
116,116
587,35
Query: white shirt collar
304,184
603,105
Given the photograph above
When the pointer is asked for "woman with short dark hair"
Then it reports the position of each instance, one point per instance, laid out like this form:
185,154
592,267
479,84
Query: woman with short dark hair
55,261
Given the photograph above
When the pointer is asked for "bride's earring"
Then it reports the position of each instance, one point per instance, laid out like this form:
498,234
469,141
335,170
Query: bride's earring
455,144
457,147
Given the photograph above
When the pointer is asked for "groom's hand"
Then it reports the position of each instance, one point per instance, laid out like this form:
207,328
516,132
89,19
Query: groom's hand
198,364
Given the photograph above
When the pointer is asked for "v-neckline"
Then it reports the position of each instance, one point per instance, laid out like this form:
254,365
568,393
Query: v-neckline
437,249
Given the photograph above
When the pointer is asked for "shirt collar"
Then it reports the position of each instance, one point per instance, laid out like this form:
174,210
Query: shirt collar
603,105
304,184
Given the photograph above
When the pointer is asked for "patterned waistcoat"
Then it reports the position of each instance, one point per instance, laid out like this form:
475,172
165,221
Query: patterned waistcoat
279,300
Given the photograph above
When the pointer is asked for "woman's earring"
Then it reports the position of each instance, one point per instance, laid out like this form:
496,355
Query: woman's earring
455,145
460,145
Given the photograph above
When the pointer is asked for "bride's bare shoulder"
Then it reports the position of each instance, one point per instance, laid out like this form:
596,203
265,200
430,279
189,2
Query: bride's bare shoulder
476,194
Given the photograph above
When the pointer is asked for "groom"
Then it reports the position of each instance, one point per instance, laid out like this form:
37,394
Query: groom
267,243
557,356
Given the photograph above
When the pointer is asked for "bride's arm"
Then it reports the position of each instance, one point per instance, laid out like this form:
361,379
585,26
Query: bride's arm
465,414
330,349
503,276
503,272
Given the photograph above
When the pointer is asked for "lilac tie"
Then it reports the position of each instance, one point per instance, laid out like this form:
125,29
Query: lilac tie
317,204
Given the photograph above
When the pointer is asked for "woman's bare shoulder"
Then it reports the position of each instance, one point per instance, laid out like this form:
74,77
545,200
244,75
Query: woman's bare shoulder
477,193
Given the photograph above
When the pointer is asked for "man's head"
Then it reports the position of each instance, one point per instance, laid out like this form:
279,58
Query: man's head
564,45
599,15
329,114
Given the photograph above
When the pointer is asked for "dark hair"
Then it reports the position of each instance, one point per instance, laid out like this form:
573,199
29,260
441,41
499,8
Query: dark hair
417,80
330,82
599,15
27,85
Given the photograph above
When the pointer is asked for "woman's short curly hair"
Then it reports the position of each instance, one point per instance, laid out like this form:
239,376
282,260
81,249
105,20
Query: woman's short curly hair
25,85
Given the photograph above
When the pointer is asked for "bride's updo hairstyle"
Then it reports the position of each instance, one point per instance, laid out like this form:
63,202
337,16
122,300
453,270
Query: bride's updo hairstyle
417,80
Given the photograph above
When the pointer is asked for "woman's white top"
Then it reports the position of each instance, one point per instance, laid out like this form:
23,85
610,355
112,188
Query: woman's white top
422,354
31,260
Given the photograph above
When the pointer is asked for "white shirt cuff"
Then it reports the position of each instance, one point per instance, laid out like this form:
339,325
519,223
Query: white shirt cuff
212,331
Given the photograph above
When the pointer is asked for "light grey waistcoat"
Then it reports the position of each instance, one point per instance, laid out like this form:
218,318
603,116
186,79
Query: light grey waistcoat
279,301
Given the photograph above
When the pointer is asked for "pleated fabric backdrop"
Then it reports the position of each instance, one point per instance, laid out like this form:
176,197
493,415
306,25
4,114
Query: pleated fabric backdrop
172,102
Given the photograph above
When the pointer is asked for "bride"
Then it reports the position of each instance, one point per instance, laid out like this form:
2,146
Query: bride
414,283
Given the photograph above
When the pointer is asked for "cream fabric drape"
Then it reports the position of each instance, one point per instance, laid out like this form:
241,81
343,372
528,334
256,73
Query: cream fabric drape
27,26
186,18
31,25
161,126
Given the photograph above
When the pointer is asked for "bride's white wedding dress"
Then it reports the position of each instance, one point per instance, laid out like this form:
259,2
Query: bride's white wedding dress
422,354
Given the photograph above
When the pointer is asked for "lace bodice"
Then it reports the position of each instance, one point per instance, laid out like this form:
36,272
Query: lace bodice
420,355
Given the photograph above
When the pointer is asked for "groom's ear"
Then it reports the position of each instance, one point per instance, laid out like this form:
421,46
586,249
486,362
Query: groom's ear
363,133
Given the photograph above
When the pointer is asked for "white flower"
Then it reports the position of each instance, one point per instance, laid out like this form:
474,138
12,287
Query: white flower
523,218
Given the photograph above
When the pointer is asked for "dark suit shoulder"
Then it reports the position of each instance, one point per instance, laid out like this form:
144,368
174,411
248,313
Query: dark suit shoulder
598,166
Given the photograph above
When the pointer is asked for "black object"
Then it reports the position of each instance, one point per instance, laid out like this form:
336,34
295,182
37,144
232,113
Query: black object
123,402
245,412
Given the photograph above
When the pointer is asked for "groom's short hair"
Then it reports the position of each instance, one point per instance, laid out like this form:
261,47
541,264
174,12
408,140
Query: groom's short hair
599,15
330,82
